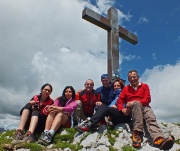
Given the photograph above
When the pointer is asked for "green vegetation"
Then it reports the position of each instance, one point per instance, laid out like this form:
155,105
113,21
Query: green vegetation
177,141
128,148
164,124
60,141
112,134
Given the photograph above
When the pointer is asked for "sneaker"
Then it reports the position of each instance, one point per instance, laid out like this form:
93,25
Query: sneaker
164,143
45,139
18,136
28,137
137,139
84,126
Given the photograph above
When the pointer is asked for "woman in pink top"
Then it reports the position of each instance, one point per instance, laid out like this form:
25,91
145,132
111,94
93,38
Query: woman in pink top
59,114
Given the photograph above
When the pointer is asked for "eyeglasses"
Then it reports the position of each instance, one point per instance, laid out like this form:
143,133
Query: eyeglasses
47,90
89,84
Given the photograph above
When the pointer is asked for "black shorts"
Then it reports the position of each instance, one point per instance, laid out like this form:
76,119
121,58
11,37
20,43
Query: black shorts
41,118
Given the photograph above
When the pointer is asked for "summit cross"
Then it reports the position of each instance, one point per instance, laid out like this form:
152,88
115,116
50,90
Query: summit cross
114,32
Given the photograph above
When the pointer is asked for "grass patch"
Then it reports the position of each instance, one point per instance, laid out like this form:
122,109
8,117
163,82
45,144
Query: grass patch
128,148
177,141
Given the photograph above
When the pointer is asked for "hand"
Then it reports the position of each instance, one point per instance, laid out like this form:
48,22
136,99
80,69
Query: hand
129,104
53,108
98,103
114,106
32,102
126,111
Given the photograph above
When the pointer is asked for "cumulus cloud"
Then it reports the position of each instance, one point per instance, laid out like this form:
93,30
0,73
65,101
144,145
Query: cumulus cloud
164,84
43,41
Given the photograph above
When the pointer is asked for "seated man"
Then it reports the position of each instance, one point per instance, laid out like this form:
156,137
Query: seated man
102,109
137,97
86,100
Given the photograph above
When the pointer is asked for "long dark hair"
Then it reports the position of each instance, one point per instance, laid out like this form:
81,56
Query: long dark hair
63,99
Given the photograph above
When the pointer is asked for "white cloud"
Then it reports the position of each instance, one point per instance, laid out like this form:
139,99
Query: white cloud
164,85
130,57
142,20
154,56
43,41
48,41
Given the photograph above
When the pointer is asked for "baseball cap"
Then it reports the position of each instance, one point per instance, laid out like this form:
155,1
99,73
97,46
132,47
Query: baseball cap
104,76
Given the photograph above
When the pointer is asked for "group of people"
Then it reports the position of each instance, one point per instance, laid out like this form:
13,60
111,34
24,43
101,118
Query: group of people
87,108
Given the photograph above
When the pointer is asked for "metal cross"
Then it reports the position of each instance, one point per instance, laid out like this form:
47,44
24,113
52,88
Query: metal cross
114,32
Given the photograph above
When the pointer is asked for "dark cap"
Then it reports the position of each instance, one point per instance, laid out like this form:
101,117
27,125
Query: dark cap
104,76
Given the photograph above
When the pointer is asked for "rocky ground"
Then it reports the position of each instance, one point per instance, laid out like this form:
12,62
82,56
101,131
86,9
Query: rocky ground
100,140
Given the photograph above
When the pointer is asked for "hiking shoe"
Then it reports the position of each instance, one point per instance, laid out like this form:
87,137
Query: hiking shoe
137,139
164,143
18,136
84,126
28,137
45,139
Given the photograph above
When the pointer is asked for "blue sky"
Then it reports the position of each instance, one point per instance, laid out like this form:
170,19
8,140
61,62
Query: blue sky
157,26
48,41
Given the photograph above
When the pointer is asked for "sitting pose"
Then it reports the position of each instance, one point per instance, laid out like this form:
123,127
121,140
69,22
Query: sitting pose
137,97
60,111
87,100
117,86
33,115
104,108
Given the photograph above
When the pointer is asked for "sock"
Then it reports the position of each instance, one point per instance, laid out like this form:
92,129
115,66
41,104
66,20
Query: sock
52,132
46,131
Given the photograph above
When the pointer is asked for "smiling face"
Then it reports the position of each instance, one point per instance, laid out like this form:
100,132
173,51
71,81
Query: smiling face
68,93
106,82
46,91
117,85
133,78
89,85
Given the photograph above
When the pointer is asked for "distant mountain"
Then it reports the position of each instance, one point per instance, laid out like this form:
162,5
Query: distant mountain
2,129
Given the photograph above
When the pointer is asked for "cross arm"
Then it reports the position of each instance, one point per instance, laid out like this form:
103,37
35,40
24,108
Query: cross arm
128,36
104,23
96,19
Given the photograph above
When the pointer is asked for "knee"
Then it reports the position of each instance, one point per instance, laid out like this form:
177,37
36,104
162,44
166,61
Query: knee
60,114
79,104
137,103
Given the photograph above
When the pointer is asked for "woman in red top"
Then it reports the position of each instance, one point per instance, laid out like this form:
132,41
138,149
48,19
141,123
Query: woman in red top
33,115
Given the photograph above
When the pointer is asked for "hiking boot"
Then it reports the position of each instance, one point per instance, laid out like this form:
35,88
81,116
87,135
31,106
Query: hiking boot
84,126
45,139
28,137
18,136
137,139
164,143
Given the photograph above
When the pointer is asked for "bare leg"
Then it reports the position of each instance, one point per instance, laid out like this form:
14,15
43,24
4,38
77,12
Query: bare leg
24,118
49,121
33,124
60,119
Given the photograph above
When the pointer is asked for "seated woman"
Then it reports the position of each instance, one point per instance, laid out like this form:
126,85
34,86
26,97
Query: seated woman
117,85
60,111
33,115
